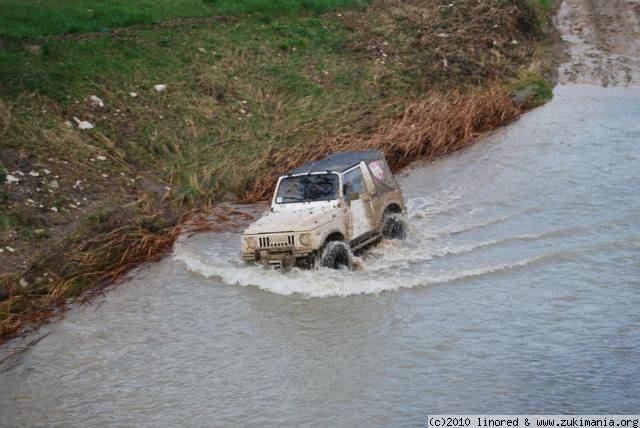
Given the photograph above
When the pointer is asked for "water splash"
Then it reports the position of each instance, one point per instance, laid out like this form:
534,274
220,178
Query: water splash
391,265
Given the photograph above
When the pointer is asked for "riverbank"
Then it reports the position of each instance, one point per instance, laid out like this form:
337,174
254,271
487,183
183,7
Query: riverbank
110,139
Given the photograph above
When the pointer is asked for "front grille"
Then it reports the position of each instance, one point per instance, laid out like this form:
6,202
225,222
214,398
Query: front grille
276,241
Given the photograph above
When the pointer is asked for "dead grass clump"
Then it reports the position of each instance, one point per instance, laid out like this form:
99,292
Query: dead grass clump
80,267
433,127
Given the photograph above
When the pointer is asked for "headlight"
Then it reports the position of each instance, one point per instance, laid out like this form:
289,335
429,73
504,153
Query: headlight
305,239
252,243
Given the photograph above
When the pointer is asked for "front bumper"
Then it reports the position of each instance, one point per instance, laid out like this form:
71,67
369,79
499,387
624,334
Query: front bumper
280,257
279,249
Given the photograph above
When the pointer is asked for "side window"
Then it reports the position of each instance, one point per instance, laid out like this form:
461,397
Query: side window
381,175
353,182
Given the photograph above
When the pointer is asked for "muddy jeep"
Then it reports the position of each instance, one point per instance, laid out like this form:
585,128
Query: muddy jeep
325,210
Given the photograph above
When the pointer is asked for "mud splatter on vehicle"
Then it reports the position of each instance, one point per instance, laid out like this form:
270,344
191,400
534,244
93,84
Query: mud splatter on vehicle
322,211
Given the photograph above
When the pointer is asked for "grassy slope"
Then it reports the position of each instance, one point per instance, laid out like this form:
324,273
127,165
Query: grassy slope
243,93
22,18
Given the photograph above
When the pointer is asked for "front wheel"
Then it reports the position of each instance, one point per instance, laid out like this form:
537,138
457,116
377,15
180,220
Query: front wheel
394,226
335,255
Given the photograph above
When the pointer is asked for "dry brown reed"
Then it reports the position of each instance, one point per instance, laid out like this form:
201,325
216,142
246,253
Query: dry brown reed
93,264
433,127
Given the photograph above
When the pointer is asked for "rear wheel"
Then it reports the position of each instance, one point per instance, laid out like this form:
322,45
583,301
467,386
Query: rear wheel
335,255
394,226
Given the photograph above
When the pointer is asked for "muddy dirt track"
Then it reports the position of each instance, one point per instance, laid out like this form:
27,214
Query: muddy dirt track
603,42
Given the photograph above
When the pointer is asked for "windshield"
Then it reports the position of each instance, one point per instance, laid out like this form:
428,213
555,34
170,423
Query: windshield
308,188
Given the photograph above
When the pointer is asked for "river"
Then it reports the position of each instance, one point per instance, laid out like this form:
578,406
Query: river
517,292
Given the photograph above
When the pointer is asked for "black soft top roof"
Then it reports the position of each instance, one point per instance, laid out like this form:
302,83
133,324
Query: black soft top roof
339,162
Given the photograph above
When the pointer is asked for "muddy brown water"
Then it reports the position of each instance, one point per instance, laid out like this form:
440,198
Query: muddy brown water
517,292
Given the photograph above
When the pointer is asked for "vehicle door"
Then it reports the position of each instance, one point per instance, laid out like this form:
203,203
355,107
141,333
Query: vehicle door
358,197
386,189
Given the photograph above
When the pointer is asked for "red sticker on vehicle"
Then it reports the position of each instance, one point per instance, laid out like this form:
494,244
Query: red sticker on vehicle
376,170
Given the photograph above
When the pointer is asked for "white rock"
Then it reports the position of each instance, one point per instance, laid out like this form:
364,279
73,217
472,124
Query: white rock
1,250
105,175
23,283
202,50
443,35
68,124
73,206
34,174
133,94
11,250
54,209
11,179
514,42
101,158
46,171
75,186
97,102
83,124
160,88
54,185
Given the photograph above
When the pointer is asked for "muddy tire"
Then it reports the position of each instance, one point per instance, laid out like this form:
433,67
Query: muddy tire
394,226
335,255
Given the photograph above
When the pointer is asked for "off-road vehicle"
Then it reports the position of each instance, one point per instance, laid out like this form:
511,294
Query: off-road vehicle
323,211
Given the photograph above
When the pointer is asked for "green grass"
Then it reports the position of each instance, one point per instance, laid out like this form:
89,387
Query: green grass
294,77
270,8
541,89
542,10
30,18
545,5
6,221
238,91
